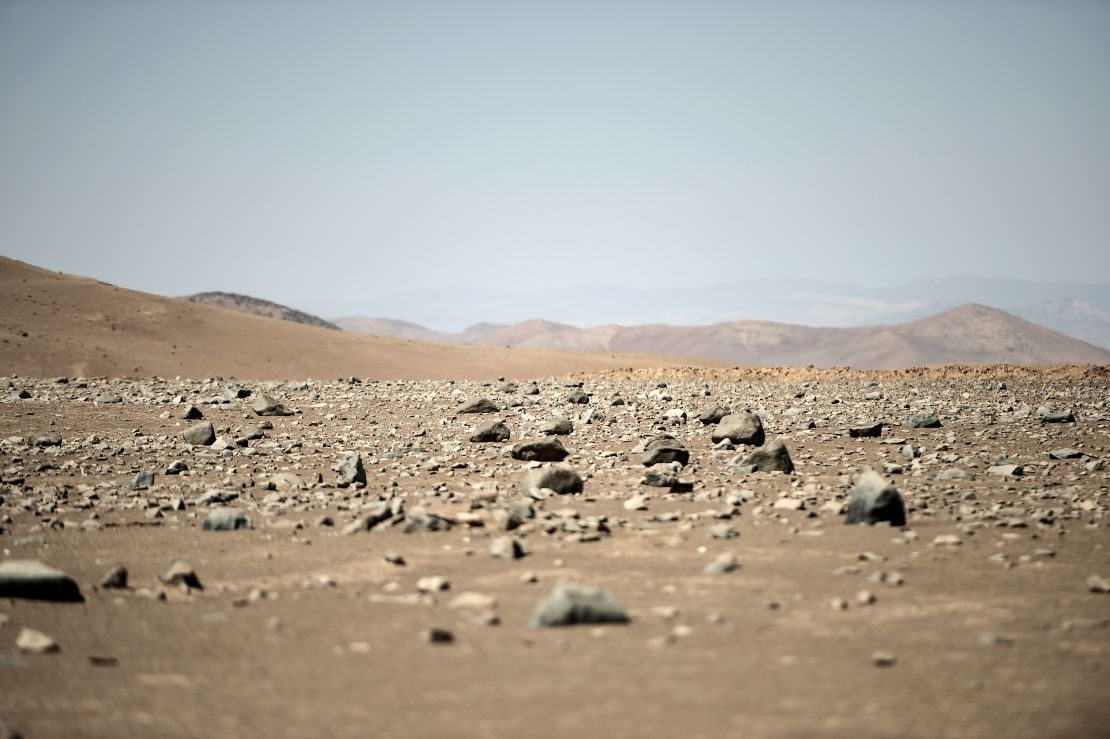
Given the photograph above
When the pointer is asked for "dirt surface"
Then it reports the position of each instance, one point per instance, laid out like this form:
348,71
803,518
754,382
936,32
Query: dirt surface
994,634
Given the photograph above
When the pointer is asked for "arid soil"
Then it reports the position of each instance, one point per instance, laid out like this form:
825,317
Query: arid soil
977,618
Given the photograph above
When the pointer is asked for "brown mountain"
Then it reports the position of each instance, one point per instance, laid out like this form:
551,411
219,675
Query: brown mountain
259,307
969,334
55,324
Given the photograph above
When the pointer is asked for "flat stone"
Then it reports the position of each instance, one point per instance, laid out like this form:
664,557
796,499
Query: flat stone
541,450
226,519
559,478
264,405
570,604
481,405
926,420
33,580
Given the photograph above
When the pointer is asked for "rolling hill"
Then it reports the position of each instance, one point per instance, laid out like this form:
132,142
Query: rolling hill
259,307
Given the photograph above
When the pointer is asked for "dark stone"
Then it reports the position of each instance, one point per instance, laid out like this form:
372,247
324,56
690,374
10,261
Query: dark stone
664,449
923,421
116,579
578,397
481,405
1062,417
201,434
142,480
772,457
713,415
541,450
182,574
264,405
33,580
875,500
558,427
570,604
491,432
46,440
226,519
860,432
191,413
559,478
740,428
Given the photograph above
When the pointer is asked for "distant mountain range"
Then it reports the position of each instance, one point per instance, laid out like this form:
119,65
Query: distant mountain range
970,333
259,307
1075,309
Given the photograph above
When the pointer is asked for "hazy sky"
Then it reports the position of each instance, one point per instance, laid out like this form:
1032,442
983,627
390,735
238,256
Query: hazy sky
316,152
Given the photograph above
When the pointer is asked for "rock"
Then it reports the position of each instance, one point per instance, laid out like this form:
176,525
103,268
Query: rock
722,565
541,450
740,428
723,531
226,519
33,580
875,500
862,432
377,513
772,457
1062,417
35,642
1098,584
8,731
558,427
578,397
789,504
506,547
45,440
1006,470
200,434
481,405
142,480
570,604
559,478
264,405
664,450
636,503
910,452
437,635
216,497
925,420
472,600
433,584
713,415
181,574
191,413
116,579
946,540
1066,453
883,659
108,399
350,470
492,432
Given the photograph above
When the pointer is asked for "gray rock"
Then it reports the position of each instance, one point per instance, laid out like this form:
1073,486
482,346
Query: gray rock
771,457
578,397
1062,417
226,519
191,413
350,470
182,574
570,604
1006,470
481,405
116,579
33,580
142,480
264,405
664,450
216,497
910,452
35,642
925,420
713,415
875,500
376,514
108,399
558,427
723,531
740,428
45,440
559,478
1066,453
722,565
541,450
200,434
492,432
506,547
862,432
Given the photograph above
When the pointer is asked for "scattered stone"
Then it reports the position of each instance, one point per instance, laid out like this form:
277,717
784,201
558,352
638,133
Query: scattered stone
350,470
883,659
1098,584
33,580
437,635
772,457
494,431
541,450
1066,453
35,642
201,434
46,440
1006,470
116,579
226,519
433,584
191,413
722,565
570,604
740,428
713,415
875,500
181,574
264,405
558,427
142,480
874,430
558,478
506,547
481,405
1062,417
578,397
664,450
723,531
925,420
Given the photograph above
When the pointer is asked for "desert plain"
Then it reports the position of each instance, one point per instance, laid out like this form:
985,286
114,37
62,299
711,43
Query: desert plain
372,554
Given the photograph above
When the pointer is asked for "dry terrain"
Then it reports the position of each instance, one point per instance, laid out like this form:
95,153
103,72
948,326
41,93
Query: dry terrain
977,618
970,334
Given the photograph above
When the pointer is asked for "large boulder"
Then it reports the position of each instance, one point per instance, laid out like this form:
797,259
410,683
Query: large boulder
570,604
559,478
771,457
202,434
492,432
541,450
665,449
875,500
740,428
31,579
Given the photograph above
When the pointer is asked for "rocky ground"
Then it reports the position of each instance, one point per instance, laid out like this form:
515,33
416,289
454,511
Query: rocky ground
342,559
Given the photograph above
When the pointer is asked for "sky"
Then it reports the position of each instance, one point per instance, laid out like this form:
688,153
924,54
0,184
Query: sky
318,153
